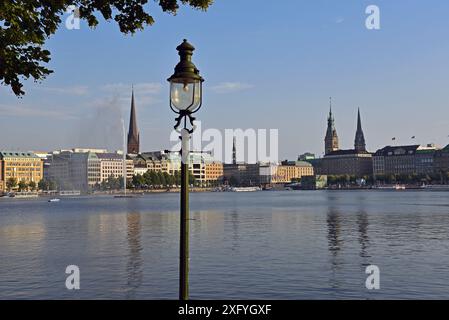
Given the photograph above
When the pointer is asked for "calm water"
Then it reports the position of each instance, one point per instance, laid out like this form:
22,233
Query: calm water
263,245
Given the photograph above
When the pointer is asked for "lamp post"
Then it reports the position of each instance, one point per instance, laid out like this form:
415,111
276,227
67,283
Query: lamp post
185,99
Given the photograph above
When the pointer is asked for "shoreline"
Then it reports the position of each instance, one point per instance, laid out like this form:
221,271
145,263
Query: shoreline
212,190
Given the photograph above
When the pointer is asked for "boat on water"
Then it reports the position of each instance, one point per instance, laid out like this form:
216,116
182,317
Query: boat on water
245,189
54,200
435,187
393,187
124,196
70,193
24,195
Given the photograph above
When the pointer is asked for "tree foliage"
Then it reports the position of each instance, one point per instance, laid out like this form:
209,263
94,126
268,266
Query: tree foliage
47,185
11,183
22,185
25,25
32,185
157,180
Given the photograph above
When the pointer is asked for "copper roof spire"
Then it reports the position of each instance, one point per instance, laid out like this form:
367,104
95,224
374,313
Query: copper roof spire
133,134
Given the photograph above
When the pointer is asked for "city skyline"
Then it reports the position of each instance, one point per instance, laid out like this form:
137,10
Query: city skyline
133,141
328,52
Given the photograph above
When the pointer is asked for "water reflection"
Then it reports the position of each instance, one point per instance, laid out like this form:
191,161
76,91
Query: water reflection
334,236
260,245
134,268
234,219
362,222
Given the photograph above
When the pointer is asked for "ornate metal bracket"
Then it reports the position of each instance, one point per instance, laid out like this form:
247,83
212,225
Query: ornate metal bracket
183,116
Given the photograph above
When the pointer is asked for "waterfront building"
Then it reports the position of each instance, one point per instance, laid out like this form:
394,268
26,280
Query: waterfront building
287,172
111,165
441,161
424,159
355,162
57,168
201,164
394,160
241,174
133,133
74,169
85,169
148,161
214,171
407,160
21,166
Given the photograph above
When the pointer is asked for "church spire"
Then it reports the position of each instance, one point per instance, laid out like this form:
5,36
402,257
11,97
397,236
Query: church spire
133,133
359,121
359,142
331,139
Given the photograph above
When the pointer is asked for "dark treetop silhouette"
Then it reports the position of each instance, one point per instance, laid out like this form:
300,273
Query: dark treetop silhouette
26,25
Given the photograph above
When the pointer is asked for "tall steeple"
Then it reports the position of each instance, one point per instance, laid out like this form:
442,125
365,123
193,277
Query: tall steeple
133,133
359,142
331,139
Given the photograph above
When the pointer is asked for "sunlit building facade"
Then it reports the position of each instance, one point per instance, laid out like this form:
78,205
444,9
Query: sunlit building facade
20,166
201,164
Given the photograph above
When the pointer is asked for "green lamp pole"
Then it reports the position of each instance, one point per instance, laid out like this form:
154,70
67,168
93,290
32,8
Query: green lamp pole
185,99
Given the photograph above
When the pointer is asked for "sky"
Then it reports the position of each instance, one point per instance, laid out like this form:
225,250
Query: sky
267,65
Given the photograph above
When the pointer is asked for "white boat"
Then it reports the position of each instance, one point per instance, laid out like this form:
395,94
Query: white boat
435,187
54,200
70,193
124,196
24,195
391,187
245,189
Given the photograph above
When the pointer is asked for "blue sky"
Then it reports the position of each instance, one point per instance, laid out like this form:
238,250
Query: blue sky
267,65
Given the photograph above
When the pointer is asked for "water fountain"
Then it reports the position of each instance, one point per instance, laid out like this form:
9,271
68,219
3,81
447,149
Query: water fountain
124,195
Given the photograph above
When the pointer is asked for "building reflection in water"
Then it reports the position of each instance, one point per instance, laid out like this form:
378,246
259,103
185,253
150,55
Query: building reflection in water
333,236
234,219
362,222
134,268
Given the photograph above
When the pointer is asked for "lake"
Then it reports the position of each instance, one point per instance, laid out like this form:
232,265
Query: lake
261,245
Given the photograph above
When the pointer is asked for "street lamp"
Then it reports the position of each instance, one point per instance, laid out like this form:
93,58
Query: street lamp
185,99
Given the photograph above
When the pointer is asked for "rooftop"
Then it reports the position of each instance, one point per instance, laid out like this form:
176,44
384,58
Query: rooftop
17,154
114,156
397,150
345,152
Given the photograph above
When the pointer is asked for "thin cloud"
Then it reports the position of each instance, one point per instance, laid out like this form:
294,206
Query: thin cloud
339,20
228,87
146,88
30,111
69,90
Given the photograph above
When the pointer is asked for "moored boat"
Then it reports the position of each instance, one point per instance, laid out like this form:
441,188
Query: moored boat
245,189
